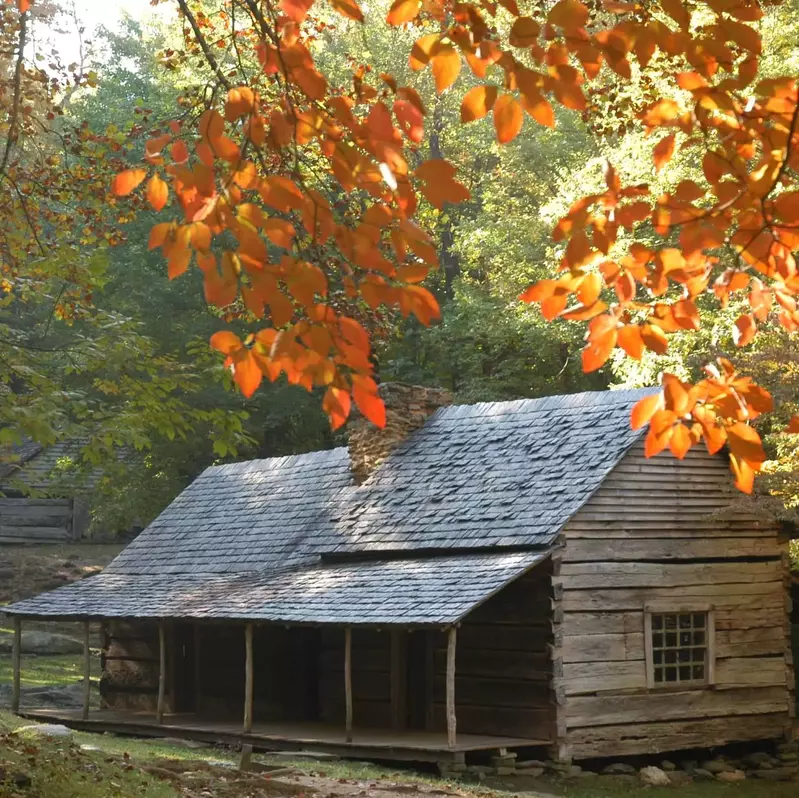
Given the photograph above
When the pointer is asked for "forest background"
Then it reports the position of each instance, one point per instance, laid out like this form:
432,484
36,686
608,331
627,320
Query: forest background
129,368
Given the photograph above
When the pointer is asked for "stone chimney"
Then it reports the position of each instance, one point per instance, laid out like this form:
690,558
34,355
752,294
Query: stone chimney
407,409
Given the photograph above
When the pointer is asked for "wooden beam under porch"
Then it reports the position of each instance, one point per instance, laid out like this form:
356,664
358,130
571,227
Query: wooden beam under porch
389,744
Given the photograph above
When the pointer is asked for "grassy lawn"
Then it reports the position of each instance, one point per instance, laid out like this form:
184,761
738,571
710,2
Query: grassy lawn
48,670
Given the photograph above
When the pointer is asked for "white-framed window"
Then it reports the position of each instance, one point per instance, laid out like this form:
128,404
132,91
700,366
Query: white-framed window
680,646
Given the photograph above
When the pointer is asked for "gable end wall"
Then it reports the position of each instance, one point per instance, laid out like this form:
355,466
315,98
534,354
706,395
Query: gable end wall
649,535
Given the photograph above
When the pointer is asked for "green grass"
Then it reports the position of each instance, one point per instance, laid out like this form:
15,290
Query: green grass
58,768
52,670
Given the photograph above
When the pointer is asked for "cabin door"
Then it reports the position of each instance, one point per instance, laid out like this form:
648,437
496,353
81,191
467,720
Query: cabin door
184,672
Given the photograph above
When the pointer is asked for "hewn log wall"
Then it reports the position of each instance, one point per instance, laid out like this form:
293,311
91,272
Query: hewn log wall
24,520
657,532
503,667
130,666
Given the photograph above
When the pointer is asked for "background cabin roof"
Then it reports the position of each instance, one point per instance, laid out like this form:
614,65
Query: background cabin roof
410,591
56,468
484,476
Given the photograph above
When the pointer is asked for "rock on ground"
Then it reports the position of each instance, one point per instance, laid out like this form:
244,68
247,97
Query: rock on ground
45,730
731,775
36,642
654,776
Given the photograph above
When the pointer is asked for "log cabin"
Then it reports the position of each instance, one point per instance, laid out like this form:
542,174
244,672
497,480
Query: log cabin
43,496
498,576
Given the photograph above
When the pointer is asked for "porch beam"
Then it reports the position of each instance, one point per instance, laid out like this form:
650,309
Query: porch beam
87,671
452,637
248,678
161,673
16,658
348,682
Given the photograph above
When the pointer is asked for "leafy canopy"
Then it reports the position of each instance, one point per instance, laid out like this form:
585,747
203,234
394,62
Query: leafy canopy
298,196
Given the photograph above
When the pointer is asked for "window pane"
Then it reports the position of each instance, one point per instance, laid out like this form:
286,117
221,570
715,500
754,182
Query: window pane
678,648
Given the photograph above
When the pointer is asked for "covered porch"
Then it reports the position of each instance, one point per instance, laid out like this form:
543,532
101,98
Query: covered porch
405,659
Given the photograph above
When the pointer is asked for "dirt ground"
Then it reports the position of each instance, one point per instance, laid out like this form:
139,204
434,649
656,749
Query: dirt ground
28,570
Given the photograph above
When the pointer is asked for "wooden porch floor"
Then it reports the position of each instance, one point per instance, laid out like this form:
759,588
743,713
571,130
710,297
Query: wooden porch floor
411,746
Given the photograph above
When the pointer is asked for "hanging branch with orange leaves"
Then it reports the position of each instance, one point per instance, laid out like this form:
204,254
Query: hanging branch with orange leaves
313,184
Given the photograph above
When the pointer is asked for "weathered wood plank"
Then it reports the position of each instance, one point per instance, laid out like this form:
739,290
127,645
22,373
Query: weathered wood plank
581,678
533,665
749,619
22,502
39,533
605,575
482,691
749,596
505,637
656,528
669,705
750,671
602,648
651,738
585,550
601,623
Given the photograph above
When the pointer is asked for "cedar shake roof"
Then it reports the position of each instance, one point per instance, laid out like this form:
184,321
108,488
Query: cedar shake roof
431,591
248,539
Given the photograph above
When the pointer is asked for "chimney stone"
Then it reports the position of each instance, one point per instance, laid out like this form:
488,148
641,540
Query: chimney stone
407,409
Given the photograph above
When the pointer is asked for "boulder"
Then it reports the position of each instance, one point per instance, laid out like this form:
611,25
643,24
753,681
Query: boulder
667,766
756,758
44,730
777,774
36,642
653,776
731,776
618,769
679,777
700,774
717,766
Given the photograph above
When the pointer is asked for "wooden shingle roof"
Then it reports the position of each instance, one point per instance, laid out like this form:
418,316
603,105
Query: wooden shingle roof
463,495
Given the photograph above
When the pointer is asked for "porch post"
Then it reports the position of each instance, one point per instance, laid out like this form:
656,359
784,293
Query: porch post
87,665
16,656
451,721
248,678
348,681
161,672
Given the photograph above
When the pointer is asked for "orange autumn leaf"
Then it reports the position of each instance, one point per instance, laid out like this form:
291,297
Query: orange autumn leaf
348,8
402,11
370,404
663,151
508,118
157,193
446,65
477,103
524,32
126,182
644,409
336,404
